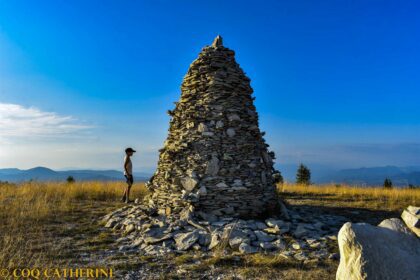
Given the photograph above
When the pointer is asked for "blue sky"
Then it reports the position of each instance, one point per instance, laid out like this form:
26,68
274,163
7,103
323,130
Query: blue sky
336,82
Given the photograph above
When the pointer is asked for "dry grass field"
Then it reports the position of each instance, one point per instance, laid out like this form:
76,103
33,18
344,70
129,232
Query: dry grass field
34,214
374,198
58,224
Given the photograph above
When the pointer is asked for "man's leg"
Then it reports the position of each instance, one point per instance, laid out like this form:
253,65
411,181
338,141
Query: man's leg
129,184
128,193
124,195
124,198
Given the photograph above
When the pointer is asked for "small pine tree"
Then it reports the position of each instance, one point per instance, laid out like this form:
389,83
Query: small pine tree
388,183
303,175
70,179
411,186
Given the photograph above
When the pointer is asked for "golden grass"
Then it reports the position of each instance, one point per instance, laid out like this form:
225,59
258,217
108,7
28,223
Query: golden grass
27,210
366,197
34,218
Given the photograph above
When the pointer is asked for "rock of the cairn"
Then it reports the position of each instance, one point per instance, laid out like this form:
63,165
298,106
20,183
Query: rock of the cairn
215,159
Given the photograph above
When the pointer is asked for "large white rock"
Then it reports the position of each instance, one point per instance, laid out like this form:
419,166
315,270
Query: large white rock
412,219
396,225
370,252
414,210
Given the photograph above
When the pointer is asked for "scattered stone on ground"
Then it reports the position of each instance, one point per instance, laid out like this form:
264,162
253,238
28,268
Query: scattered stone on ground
157,235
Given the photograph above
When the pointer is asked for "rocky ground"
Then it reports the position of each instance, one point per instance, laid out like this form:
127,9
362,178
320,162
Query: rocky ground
307,250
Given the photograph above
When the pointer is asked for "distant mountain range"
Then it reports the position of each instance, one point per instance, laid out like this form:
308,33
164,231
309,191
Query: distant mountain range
46,174
371,176
400,176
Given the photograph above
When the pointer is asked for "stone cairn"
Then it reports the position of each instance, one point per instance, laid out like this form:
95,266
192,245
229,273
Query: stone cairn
215,181
215,158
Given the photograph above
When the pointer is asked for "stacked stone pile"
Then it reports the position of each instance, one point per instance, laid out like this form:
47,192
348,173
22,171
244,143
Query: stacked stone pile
215,175
305,236
215,160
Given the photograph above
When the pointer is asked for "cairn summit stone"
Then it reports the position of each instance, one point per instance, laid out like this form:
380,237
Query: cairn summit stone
214,134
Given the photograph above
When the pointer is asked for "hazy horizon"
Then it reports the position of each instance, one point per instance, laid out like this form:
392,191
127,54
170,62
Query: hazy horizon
335,85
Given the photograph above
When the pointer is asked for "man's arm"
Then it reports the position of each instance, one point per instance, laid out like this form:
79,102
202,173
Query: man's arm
125,165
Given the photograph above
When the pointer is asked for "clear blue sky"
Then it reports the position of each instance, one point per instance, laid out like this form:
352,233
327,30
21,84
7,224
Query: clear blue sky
336,82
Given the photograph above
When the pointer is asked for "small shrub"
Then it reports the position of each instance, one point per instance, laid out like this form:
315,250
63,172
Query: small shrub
388,183
70,179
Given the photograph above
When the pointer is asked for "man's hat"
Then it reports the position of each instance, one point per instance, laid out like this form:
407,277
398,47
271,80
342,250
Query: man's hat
129,150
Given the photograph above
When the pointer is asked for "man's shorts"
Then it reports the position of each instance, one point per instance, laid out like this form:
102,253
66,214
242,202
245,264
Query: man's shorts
130,179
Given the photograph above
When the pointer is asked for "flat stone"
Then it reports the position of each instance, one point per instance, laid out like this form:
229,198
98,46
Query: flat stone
233,117
219,223
273,230
189,183
230,132
245,248
202,191
332,237
124,248
204,239
260,225
222,185
334,256
213,166
184,241
202,127
215,240
267,246
300,231
130,228
279,244
396,225
264,237
151,250
153,240
274,223
315,245
237,240
111,223
296,246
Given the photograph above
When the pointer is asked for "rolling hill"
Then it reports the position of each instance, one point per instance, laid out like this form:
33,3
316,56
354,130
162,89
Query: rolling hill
46,174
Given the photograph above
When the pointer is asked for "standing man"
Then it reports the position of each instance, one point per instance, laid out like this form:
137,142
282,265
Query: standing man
128,173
